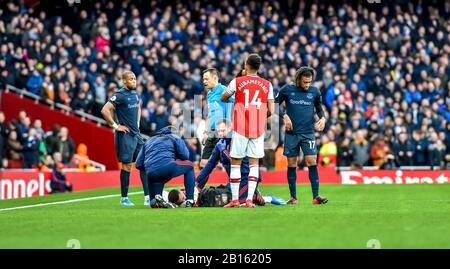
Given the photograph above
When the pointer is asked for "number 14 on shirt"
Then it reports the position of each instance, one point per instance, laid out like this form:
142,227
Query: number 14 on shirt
255,100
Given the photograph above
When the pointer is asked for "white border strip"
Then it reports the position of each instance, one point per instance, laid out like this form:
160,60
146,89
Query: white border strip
68,201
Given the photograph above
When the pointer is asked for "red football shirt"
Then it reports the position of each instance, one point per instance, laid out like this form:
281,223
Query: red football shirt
250,105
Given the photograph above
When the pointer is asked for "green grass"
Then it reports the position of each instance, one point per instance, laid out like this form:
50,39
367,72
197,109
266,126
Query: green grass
399,216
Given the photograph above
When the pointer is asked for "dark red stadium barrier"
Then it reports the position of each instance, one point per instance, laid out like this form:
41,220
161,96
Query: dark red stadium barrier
27,184
98,139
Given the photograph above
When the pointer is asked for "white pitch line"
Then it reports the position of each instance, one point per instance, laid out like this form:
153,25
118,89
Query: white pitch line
68,201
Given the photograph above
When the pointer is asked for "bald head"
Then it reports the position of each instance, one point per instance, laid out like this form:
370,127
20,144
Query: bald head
129,80
127,74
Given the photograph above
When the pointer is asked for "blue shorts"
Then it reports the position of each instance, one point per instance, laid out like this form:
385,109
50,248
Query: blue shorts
171,170
293,143
127,146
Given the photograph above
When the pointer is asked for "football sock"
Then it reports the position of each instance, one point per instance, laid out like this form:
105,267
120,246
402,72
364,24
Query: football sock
243,189
314,179
189,184
252,181
124,182
235,179
144,181
292,180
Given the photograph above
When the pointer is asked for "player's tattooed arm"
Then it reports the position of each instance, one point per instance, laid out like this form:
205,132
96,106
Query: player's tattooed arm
107,115
320,125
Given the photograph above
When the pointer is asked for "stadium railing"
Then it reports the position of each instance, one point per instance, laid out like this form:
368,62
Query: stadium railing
66,109
96,165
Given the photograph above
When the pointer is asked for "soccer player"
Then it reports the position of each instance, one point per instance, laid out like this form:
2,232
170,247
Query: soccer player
128,140
216,110
301,98
163,157
253,103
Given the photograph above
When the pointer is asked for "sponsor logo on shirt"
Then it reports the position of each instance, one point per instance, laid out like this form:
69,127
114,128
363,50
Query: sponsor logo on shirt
133,106
299,102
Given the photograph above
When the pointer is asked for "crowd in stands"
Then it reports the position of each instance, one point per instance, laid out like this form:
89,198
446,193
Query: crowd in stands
24,144
383,70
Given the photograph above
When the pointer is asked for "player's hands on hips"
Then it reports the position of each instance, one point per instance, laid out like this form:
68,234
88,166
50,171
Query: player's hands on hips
287,122
320,125
123,128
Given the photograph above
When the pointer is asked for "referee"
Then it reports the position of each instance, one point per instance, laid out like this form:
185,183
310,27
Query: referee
217,111
127,138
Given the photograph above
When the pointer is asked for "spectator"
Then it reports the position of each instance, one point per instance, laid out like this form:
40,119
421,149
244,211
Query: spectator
360,148
327,152
38,126
411,95
84,100
42,146
52,139
160,119
48,91
345,154
102,40
65,146
83,159
47,164
379,152
81,102
57,158
420,146
436,151
100,95
403,150
31,149
13,147
58,181
145,125
23,128
34,83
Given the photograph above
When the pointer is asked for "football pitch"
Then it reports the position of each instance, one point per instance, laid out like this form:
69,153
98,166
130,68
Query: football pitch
391,216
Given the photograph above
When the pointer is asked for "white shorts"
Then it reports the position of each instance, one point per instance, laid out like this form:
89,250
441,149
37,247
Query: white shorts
242,146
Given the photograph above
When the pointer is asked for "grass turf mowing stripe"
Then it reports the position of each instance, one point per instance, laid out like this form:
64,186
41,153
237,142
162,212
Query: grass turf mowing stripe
68,201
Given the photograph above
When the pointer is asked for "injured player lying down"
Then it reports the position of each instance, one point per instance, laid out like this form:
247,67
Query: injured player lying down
211,197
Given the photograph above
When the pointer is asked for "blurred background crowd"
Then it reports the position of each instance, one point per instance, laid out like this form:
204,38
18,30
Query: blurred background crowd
383,70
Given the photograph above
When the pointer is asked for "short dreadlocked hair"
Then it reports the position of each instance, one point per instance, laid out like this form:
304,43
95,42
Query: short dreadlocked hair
304,71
